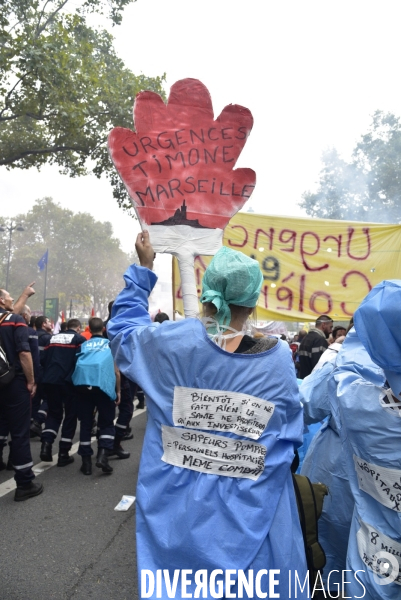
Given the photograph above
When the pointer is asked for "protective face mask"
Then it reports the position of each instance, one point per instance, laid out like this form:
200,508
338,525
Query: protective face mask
218,333
389,403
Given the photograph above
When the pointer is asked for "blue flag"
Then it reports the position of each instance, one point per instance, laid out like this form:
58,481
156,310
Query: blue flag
43,261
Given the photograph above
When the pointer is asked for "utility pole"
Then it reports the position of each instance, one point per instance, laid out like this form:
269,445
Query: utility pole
10,228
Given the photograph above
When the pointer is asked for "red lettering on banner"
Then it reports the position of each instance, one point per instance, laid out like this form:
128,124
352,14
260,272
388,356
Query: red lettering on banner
283,294
345,284
338,241
230,243
202,264
200,268
305,253
292,237
268,235
290,292
292,274
313,299
301,293
351,231
265,294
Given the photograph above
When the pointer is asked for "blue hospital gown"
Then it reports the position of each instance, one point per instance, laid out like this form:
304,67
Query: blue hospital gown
371,440
325,462
188,519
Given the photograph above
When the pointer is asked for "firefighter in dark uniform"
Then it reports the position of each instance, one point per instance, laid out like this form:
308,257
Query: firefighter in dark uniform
39,402
125,407
125,412
15,397
34,349
33,343
98,386
58,366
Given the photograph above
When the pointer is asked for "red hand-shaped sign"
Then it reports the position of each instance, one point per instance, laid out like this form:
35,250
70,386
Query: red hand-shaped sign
178,166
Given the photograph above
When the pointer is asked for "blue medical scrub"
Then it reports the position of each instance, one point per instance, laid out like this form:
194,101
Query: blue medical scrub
196,520
325,462
371,439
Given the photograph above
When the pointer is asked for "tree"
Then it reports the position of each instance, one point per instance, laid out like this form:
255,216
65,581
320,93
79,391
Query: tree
62,88
86,263
368,188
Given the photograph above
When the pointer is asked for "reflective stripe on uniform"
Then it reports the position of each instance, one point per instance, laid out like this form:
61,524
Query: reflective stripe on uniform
314,351
23,466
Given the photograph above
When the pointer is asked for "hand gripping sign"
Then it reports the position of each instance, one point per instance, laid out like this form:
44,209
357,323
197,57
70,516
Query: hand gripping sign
178,169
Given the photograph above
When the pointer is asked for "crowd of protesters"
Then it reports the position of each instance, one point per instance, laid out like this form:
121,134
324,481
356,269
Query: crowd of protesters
349,380
48,382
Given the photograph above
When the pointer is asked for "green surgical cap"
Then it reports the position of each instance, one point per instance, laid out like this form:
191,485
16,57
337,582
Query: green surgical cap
231,278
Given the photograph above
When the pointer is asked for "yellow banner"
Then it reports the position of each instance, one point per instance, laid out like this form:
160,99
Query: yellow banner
310,266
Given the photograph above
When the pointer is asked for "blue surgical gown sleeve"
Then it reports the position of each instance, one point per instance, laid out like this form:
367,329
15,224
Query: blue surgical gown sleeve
314,394
130,318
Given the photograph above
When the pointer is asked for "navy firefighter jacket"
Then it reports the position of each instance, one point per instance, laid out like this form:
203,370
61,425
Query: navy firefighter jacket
34,347
15,339
60,357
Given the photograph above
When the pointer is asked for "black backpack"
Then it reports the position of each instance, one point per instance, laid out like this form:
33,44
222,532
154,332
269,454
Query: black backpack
7,372
310,497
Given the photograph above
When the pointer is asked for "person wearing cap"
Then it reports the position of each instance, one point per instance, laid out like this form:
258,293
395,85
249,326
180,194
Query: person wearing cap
365,395
214,488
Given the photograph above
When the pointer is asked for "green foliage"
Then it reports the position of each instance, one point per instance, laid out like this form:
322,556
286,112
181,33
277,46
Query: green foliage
62,88
368,188
86,262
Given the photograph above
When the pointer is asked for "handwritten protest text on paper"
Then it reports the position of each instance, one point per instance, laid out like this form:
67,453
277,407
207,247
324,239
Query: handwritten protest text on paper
374,545
220,410
383,484
213,454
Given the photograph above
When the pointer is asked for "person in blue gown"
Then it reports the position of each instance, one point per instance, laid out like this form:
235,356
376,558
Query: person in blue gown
215,490
364,391
325,462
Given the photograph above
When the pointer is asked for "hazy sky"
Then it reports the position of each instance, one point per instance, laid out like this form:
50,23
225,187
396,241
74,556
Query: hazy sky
311,72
